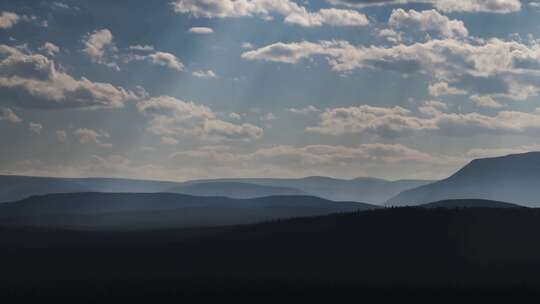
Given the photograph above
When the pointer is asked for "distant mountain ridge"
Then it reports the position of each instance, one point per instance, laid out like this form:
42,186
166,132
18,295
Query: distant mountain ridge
513,178
470,203
128,211
362,189
369,190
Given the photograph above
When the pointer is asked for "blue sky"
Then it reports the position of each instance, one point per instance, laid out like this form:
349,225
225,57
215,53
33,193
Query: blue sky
219,88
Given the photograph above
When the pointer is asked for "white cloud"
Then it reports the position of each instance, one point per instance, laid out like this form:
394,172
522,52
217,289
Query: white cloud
247,46
176,118
331,16
61,136
100,47
50,49
397,121
201,30
305,111
433,108
169,140
486,101
489,6
8,115
494,152
443,88
89,136
8,20
235,116
35,127
291,11
142,48
205,74
166,59
429,21
446,60
32,81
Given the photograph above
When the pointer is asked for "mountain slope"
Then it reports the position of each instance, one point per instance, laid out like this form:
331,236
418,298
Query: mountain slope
160,210
233,190
513,178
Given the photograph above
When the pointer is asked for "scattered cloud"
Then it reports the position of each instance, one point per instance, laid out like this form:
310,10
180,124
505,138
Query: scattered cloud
8,20
305,111
205,74
35,127
291,11
443,88
89,136
61,136
201,30
471,6
99,46
32,81
166,59
50,49
397,121
429,21
486,101
7,114
176,118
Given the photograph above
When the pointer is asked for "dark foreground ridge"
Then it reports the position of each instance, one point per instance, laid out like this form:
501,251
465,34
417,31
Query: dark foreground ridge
380,253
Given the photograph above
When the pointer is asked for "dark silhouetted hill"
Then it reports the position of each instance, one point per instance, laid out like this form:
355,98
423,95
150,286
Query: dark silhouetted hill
234,190
381,253
160,210
513,178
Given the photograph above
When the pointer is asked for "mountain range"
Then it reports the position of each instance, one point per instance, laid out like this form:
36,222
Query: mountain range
513,178
374,191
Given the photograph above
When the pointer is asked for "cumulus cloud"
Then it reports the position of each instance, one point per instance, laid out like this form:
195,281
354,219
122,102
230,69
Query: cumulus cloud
287,160
32,81
485,101
7,114
205,74
305,111
397,121
100,47
176,118
166,140
61,136
443,88
50,49
488,6
291,11
89,136
433,108
201,30
141,48
429,21
166,59
8,20
512,63
35,127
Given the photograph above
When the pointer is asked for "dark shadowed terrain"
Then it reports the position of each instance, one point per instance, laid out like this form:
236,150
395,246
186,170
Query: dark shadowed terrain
435,252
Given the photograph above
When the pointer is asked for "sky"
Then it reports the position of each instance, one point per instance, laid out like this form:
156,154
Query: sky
189,89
